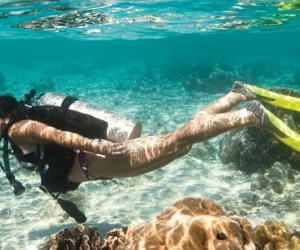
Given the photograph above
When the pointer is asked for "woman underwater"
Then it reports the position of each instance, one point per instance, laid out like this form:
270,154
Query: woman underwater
33,141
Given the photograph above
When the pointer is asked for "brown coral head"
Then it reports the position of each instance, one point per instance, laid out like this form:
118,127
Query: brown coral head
196,224
273,235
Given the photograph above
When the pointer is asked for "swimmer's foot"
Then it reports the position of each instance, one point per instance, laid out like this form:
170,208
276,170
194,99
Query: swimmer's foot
260,112
241,88
274,125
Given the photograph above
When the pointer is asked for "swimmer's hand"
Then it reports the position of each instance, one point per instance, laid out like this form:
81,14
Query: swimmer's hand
113,150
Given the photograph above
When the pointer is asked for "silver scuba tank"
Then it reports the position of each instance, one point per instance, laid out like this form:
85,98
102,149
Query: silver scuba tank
120,128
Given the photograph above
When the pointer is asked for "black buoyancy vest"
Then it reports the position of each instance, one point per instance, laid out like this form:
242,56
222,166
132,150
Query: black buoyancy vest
58,158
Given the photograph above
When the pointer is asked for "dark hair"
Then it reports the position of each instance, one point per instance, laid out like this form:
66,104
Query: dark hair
7,104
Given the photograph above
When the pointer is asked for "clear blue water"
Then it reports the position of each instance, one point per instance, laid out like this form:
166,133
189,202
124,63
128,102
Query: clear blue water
109,52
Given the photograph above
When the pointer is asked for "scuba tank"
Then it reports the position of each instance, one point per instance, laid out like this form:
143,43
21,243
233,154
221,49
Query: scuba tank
120,128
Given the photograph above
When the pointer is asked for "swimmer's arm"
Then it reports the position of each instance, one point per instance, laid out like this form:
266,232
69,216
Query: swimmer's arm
33,132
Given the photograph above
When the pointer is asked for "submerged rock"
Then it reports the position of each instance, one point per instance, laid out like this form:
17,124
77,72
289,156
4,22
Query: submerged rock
259,182
252,149
276,178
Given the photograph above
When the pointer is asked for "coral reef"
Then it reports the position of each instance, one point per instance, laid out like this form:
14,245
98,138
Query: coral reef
76,238
114,238
190,223
85,239
252,149
271,236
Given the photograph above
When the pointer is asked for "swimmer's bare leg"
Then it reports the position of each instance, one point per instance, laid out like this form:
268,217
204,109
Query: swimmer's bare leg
215,118
205,127
239,93
149,153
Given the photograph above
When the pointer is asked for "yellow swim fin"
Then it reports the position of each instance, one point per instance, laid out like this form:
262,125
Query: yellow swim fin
273,124
279,100
283,132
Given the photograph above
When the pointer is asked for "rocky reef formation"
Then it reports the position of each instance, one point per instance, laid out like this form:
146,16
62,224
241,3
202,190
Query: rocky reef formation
83,238
189,224
253,149
217,77
203,79
271,235
207,76
192,224
276,178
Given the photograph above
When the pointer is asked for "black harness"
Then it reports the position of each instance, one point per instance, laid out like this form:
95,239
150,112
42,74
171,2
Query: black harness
53,161
16,186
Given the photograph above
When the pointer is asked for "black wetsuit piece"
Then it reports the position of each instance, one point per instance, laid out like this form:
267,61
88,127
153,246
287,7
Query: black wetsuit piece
55,161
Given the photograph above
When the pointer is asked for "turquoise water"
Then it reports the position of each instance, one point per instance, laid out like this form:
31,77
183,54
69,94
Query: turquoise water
142,59
144,19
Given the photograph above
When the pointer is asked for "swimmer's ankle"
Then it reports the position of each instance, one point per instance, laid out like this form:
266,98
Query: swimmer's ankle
261,113
240,88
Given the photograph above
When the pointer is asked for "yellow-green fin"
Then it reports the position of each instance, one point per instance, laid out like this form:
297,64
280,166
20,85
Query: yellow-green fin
285,134
279,100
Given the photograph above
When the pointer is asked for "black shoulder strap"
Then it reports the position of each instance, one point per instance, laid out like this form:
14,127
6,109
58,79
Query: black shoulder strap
67,102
